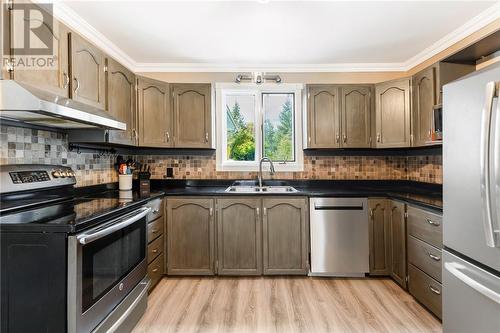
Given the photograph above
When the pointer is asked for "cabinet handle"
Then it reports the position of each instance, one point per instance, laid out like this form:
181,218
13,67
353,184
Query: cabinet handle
337,138
77,84
155,270
371,213
429,134
257,210
345,138
378,137
168,136
66,80
154,250
206,137
434,290
309,139
265,211
211,211
156,211
434,257
431,222
154,231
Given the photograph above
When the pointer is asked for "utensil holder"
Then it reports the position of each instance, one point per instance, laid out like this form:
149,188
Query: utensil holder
124,182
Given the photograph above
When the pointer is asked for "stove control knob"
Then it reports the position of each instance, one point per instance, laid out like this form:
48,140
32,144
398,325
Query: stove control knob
70,173
58,174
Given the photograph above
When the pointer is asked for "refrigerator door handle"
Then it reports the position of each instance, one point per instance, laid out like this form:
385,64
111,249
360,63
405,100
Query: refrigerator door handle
458,271
485,164
496,166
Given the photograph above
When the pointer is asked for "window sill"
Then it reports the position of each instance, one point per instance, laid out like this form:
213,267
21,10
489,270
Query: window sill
288,167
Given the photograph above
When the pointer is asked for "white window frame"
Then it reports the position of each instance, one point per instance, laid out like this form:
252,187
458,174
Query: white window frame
221,89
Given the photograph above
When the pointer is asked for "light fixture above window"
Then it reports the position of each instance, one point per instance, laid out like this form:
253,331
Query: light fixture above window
257,78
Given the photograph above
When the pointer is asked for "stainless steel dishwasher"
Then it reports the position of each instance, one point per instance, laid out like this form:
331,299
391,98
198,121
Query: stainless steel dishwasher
339,236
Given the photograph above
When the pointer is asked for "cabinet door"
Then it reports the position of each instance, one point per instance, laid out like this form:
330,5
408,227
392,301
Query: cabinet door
398,242
424,99
53,75
192,114
87,72
239,236
285,236
190,236
392,118
120,101
155,118
324,118
380,237
355,117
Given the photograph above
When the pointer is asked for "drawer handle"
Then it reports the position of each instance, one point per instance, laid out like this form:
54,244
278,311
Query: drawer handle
434,257
434,290
155,270
154,231
156,211
154,250
431,222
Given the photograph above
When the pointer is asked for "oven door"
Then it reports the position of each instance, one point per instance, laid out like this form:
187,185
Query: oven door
104,265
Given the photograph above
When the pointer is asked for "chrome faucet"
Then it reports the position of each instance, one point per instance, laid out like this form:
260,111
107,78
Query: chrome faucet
265,159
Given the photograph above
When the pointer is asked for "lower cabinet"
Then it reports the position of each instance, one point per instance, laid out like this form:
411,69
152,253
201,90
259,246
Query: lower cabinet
239,236
285,241
190,236
380,237
155,238
397,227
425,241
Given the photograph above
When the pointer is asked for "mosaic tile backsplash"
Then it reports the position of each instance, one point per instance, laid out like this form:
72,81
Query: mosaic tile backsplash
22,146
418,168
26,146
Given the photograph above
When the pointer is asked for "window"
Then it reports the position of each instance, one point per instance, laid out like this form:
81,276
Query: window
256,121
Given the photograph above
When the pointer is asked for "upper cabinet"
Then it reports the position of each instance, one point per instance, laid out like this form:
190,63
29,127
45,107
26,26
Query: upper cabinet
323,117
338,116
53,78
87,64
392,114
120,101
191,106
427,95
424,100
154,116
355,116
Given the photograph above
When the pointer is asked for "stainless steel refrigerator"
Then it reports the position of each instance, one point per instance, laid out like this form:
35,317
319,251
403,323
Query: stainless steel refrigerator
471,211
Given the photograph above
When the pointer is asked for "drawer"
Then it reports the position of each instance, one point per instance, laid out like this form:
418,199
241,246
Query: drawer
426,290
425,226
155,229
425,256
156,206
155,248
155,271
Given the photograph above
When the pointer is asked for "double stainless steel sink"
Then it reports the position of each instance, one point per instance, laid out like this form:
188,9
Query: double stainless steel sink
250,187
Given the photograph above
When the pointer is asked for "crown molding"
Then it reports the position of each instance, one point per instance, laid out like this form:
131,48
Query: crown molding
74,21
475,24
78,24
289,68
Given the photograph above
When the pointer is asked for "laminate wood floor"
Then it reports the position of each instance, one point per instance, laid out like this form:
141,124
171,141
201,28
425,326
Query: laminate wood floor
283,304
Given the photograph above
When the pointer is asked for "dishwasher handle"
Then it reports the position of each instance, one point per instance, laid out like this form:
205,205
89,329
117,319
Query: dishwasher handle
340,207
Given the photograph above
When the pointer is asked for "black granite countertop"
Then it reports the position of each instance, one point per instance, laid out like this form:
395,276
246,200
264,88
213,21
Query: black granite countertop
421,194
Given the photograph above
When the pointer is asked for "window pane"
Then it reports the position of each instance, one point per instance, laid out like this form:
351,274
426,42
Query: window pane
279,118
240,115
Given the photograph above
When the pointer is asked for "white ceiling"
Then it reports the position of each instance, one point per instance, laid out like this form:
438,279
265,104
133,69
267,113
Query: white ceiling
226,35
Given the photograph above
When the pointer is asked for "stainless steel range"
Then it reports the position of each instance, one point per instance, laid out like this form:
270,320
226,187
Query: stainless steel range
68,264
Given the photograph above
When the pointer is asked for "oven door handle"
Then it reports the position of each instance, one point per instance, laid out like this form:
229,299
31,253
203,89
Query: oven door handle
121,223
